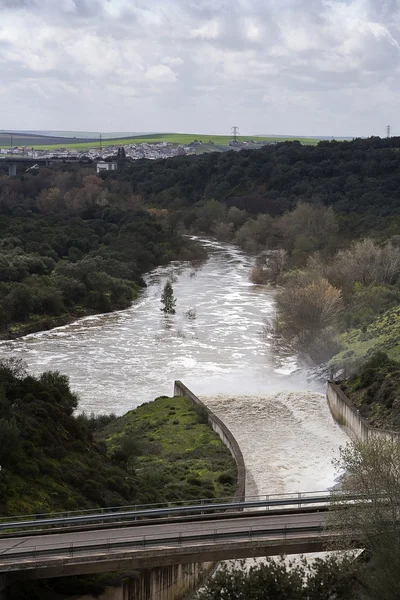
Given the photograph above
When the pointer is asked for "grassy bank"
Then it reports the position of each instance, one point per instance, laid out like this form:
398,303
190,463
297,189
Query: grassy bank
172,450
44,323
370,363
382,334
375,390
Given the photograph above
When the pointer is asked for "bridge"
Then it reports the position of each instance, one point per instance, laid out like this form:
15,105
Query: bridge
13,161
149,537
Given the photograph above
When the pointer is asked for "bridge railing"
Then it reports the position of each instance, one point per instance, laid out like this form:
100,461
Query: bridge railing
166,505
287,501
183,538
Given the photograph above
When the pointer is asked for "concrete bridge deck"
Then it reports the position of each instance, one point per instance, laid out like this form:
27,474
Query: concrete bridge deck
145,546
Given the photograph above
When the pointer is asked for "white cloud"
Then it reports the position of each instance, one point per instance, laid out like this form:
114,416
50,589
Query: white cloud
173,61
160,74
293,66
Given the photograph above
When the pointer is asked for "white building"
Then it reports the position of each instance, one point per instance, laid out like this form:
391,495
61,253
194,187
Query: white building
106,166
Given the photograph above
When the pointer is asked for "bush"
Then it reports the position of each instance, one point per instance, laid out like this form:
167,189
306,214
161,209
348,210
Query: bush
194,481
258,276
9,441
226,479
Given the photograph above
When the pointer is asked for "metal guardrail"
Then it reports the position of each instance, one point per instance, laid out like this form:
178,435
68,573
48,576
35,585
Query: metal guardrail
173,504
177,503
295,500
62,551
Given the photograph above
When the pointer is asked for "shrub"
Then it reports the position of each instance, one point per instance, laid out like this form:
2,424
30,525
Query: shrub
9,441
226,479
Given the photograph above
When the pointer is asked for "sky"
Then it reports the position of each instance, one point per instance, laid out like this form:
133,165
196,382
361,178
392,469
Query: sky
294,67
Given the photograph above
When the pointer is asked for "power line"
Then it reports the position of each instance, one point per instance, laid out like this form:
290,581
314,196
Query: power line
388,131
235,132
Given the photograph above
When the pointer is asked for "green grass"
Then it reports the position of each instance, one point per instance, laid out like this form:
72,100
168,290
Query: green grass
375,391
177,456
382,334
176,138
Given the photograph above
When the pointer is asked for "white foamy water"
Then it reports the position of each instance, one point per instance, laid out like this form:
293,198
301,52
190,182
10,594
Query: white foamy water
117,361
288,439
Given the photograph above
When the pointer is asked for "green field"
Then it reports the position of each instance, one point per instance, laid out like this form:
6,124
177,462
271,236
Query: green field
176,138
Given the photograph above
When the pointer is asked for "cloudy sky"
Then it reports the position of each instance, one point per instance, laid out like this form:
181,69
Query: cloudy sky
304,67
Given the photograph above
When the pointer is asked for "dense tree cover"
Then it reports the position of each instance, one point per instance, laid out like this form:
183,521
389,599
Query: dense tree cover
66,245
330,578
49,460
361,176
370,470
326,295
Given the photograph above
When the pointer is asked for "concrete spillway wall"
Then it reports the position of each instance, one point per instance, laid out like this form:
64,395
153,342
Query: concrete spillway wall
224,433
348,416
177,581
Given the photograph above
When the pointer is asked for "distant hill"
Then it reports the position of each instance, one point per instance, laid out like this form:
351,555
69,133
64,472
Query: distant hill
312,137
48,140
31,139
82,134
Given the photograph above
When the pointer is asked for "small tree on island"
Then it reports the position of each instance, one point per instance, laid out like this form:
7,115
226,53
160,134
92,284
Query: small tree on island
168,300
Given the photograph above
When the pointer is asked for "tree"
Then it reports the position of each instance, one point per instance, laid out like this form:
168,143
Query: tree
270,268
372,471
256,234
168,300
9,441
368,263
332,578
308,228
306,316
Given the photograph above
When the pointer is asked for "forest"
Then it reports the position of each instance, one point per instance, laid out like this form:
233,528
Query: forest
360,177
323,222
66,249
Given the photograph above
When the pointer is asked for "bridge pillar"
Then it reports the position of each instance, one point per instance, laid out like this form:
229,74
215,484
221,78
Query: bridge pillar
3,586
12,170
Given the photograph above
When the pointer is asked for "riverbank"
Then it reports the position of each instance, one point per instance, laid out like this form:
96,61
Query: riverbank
18,330
56,267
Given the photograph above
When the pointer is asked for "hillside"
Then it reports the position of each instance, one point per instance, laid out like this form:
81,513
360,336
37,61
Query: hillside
173,451
43,142
375,390
53,461
49,460
382,334
356,178
32,140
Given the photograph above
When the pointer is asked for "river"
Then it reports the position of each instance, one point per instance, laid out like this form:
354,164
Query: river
215,344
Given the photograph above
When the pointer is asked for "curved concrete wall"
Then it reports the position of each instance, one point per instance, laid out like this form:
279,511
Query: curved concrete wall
348,416
177,581
224,433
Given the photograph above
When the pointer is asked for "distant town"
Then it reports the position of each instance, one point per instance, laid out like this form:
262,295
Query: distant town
150,151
